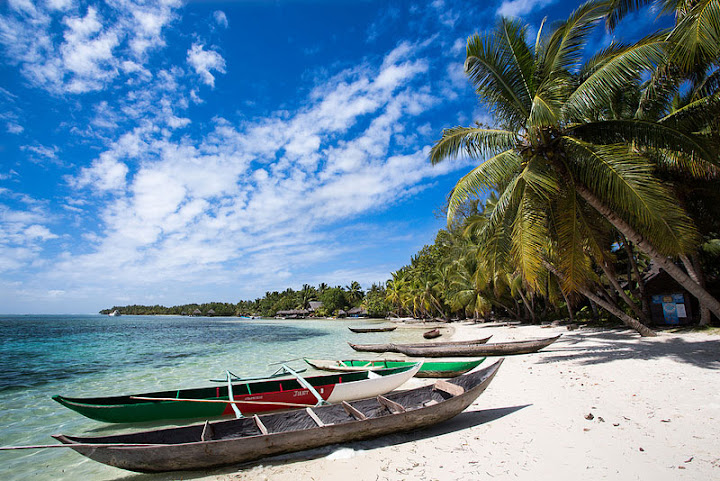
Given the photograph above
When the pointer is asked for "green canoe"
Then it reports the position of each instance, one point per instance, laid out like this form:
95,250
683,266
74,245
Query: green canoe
428,368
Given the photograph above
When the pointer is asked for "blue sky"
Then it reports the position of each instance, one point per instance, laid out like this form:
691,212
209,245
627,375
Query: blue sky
169,152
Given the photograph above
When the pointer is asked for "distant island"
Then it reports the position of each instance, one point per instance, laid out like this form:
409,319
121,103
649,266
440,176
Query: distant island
310,301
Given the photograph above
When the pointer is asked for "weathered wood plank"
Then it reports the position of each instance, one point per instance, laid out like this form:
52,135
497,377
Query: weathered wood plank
353,412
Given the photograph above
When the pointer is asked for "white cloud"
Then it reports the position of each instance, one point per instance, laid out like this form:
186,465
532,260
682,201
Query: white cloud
90,49
203,61
232,203
517,8
220,18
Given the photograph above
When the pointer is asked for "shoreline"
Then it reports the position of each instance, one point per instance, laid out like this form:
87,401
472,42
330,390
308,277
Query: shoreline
597,404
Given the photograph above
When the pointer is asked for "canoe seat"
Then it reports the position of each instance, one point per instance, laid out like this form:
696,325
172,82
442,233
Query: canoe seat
208,432
392,406
260,424
353,412
448,387
315,418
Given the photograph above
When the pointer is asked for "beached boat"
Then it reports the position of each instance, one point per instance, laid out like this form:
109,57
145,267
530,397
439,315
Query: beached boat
427,369
373,329
496,349
249,397
391,347
240,440
432,333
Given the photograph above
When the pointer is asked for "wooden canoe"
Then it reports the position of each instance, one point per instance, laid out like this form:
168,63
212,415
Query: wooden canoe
427,369
252,397
236,441
373,329
496,349
391,347
432,334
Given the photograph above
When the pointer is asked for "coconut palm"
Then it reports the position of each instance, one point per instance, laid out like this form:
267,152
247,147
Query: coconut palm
552,154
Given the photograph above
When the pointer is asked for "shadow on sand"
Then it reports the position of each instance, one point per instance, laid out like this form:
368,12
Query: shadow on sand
462,421
607,346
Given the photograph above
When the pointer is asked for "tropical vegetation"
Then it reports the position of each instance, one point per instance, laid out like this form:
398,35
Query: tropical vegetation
584,168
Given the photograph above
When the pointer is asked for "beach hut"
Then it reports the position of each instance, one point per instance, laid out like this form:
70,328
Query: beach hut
357,312
211,312
197,312
670,304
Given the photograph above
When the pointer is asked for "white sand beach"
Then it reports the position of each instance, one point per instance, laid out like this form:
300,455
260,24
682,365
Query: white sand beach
597,404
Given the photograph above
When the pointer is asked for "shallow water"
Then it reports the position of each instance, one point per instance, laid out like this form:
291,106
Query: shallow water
103,356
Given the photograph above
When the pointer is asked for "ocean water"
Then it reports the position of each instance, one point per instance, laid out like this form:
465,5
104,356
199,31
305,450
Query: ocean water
98,355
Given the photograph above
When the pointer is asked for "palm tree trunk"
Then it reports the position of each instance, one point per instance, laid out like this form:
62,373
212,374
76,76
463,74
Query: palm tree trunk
640,281
644,245
613,280
632,323
527,306
704,311
569,307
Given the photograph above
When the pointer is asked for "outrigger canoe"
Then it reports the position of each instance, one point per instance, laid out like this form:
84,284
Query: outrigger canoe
496,349
236,441
391,347
373,329
427,369
248,397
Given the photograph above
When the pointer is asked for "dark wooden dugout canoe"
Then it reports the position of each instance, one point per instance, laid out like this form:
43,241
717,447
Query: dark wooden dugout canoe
240,440
373,329
432,334
391,347
496,349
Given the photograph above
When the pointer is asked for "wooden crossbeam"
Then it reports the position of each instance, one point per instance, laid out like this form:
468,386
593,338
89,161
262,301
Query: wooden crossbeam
314,417
260,425
391,406
208,432
353,412
448,387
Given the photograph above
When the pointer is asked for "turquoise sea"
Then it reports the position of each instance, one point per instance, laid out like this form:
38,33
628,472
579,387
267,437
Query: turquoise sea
94,355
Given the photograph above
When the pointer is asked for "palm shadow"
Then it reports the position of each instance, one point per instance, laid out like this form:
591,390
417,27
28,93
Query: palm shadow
462,421
608,346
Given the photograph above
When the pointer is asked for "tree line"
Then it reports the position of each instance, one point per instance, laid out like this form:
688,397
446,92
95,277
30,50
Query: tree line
598,165
334,300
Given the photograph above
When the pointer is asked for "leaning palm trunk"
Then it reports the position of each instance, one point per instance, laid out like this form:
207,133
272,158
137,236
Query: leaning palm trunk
705,298
612,309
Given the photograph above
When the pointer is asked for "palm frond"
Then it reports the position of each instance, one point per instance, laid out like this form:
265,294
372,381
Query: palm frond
474,142
497,80
647,134
563,49
696,37
485,177
623,65
529,238
572,260
620,8
624,181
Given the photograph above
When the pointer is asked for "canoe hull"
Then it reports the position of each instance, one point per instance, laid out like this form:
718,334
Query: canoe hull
121,409
372,329
300,433
394,347
497,349
428,369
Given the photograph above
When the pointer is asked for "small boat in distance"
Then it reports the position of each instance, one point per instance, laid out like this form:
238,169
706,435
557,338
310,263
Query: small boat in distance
496,349
427,369
432,334
114,313
236,441
391,347
373,329
240,398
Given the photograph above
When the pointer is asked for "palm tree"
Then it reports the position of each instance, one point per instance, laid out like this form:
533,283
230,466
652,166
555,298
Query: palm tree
553,155
355,292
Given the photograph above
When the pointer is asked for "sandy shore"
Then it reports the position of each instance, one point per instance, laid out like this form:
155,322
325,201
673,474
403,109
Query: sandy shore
594,405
